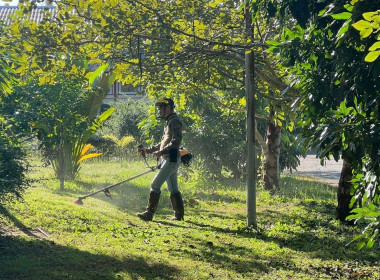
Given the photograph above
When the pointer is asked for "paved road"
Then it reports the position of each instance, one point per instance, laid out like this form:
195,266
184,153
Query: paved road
311,167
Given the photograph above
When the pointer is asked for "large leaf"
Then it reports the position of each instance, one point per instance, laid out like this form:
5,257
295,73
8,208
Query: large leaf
372,56
100,81
344,15
361,25
366,32
81,146
96,124
92,155
85,149
90,107
375,46
96,76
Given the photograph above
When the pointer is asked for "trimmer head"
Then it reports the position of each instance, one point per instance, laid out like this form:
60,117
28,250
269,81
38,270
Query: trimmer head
78,201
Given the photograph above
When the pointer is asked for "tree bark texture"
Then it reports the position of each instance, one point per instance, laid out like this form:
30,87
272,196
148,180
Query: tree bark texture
344,198
271,156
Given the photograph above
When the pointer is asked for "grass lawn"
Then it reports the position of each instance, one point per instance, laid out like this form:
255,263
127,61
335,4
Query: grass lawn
47,236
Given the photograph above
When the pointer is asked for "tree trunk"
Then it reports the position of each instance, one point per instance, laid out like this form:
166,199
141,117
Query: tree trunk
344,197
61,171
271,156
61,164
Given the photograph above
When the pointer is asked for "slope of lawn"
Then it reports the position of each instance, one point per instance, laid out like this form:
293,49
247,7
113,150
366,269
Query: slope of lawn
47,236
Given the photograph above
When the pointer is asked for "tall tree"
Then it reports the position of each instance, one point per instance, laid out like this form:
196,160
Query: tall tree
340,99
199,46
13,165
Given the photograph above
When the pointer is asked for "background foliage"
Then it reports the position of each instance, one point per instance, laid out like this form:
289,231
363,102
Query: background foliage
13,166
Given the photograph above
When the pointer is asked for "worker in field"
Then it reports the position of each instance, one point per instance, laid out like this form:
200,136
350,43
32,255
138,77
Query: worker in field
169,151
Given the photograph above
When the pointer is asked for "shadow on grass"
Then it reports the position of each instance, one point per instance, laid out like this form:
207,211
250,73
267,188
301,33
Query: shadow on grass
224,255
31,258
329,243
40,259
215,197
228,257
16,222
314,232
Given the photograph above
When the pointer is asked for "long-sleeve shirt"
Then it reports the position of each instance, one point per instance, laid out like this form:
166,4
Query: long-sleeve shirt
171,138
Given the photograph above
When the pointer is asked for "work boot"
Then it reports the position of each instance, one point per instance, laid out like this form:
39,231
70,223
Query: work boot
177,203
151,208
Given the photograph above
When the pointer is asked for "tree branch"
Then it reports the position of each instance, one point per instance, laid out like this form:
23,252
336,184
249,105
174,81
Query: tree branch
259,116
260,139
210,42
276,99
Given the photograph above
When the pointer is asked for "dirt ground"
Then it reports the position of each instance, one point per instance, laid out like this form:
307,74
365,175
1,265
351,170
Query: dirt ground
311,167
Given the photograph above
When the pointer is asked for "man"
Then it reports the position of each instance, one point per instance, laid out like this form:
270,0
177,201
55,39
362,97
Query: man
168,149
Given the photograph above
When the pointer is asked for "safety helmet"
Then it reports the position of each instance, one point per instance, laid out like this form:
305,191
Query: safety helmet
164,102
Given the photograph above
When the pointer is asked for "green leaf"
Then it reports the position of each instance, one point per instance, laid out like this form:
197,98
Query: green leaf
372,56
322,12
344,15
342,106
349,7
111,79
344,28
288,34
357,210
358,237
373,214
242,6
105,115
374,47
372,206
361,244
370,244
97,73
272,43
366,32
354,217
361,25
272,49
369,16
97,123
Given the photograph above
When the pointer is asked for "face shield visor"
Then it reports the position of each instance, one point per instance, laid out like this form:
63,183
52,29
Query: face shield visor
161,105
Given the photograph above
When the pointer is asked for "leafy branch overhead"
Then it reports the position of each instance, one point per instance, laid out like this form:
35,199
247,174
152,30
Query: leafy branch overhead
370,25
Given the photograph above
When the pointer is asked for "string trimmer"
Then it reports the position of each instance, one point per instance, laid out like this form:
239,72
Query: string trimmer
79,200
185,159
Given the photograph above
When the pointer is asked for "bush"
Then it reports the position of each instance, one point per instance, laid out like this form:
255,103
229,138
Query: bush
126,119
110,146
216,138
58,115
12,168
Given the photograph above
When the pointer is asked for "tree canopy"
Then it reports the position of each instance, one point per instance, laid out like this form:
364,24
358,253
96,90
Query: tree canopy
318,60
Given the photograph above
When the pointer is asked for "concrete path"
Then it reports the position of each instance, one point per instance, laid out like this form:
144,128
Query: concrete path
311,167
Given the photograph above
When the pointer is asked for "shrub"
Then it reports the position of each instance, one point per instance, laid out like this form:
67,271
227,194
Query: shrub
126,119
12,168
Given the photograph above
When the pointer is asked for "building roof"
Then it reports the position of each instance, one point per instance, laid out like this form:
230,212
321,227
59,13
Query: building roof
6,13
